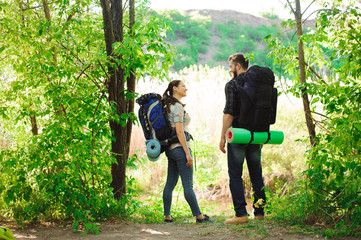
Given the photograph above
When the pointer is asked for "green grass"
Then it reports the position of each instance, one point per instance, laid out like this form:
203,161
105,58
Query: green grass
205,102
282,164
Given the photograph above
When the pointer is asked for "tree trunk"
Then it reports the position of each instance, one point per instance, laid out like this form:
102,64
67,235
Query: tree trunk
34,126
131,79
302,67
113,32
46,10
48,18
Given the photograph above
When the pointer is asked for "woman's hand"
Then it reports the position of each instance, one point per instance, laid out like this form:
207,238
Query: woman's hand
189,160
182,140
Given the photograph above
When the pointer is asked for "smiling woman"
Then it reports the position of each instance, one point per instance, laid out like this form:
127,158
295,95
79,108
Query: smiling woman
180,159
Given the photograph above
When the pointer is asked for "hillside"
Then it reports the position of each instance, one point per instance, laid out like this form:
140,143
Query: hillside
224,16
210,36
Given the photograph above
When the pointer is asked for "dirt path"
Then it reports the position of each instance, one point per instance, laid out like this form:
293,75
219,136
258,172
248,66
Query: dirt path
183,228
135,231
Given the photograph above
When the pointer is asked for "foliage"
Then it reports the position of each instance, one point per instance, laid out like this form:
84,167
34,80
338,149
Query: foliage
270,15
192,36
205,103
194,31
54,106
243,38
330,192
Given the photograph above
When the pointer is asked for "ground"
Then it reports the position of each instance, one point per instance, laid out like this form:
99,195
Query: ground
266,229
182,228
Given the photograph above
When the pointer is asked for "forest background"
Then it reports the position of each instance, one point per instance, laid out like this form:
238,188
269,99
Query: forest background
56,144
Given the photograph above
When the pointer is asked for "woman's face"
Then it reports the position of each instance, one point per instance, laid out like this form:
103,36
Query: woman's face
181,90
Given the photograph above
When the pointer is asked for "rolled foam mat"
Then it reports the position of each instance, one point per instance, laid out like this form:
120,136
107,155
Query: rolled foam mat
6,234
153,149
241,135
153,159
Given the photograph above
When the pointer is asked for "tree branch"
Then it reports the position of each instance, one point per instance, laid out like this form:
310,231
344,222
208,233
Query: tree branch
355,38
46,10
96,108
292,9
314,72
72,14
108,26
308,7
64,111
320,114
83,71
106,73
39,6
34,125
318,123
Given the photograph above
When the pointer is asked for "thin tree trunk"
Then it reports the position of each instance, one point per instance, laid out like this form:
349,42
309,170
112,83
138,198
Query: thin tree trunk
48,18
113,32
302,69
132,77
34,126
46,10
21,11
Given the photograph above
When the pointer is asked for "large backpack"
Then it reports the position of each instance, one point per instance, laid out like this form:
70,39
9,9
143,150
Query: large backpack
153,117
257,99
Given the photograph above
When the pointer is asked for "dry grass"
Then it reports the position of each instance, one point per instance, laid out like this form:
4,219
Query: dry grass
205,103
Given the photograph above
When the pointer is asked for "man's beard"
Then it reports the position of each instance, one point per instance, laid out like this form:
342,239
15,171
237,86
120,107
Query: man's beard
234,74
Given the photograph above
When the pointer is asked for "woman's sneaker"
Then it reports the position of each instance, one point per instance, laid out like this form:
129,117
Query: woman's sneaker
260,217
206,219
169,220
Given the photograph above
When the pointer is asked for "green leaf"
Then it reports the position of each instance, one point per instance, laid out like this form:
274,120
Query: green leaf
76,224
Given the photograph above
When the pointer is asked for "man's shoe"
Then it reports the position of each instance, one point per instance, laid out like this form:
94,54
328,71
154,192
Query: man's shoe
259,217
236,219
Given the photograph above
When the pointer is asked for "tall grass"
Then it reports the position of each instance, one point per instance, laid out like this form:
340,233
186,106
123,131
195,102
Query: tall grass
205,102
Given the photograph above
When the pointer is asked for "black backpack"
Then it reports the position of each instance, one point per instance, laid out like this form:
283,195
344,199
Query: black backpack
257,98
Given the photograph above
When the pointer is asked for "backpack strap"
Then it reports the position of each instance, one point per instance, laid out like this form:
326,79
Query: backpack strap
269,137
252,137
148,115
188,136
163,113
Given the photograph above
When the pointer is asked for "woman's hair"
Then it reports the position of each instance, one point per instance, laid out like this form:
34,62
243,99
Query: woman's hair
168,95
239,58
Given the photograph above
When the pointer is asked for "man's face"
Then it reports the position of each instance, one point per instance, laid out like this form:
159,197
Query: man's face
233,69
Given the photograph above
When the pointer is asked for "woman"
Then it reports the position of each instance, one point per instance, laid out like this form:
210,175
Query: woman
179,155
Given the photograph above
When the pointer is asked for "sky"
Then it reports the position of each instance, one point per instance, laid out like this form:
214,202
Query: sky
254,7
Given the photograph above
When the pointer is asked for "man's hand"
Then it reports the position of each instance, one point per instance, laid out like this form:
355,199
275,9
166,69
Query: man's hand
222,145
226,123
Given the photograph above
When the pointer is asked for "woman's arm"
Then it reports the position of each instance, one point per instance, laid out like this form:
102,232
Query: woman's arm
182,140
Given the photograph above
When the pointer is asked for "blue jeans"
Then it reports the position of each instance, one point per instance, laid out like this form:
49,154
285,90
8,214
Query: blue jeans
235,156
177,166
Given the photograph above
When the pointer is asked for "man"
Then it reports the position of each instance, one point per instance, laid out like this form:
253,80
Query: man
237,152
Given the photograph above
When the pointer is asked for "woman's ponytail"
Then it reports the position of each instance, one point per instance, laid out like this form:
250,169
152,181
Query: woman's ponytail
168,98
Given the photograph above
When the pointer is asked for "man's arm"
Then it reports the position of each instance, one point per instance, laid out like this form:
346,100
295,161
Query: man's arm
227,123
